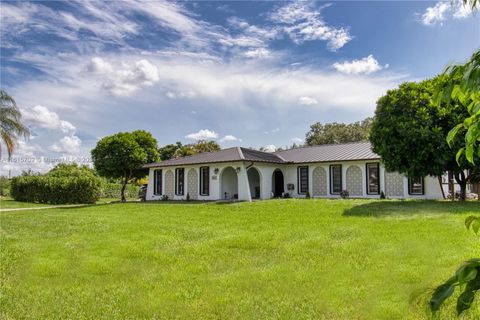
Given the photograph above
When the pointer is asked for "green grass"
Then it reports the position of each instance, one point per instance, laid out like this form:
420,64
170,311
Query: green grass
9,203
287,259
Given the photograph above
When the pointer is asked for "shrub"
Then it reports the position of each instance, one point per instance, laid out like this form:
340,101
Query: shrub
64,184
113,190
4,186
344,194
188,196
382,195
164,197
307,195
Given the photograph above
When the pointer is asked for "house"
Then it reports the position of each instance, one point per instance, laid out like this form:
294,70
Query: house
320,171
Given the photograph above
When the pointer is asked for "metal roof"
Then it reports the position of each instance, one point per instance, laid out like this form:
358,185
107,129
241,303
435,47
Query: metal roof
324,153
225,155
330,153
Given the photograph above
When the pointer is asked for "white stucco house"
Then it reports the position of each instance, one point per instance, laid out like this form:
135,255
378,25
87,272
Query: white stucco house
321,171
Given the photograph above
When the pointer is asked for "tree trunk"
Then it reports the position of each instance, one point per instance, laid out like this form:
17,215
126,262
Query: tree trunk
124,186
441,186
462,181
122,192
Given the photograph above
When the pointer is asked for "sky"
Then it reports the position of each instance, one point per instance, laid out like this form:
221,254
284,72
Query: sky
255,74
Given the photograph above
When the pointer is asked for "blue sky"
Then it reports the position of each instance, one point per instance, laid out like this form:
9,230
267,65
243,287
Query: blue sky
241,73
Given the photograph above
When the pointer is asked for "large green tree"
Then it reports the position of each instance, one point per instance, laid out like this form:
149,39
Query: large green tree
178,150
409,132
168,151
11,126
331,133
122,156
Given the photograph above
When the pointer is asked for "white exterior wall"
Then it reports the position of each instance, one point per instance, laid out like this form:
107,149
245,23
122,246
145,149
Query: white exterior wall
431,185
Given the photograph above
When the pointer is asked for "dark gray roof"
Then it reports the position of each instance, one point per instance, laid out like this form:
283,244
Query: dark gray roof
325,153
225,155
330,153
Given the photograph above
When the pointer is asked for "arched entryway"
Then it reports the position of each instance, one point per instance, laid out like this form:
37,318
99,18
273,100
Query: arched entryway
254,183
229,184
277,183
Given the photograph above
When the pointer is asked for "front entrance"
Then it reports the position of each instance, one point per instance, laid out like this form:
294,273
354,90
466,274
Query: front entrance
277,183
254,183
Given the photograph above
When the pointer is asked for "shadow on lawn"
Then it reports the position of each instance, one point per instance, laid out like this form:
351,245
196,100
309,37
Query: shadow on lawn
390,208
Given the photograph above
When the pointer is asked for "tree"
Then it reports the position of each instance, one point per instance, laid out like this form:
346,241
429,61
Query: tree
409,132
205,146
467,92
331,133
167,152
178,150
122,156
11,126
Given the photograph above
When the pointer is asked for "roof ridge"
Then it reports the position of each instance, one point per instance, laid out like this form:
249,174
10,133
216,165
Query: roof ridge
240,153
194,155
324,145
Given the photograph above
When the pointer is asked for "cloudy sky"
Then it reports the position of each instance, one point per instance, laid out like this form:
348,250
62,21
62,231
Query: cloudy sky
242,73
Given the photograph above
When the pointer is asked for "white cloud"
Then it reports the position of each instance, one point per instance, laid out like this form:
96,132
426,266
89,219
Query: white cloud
297,140
438,13
270,148
229,138
303,22
365,65
257,53
462,11
67,145
180,94
435,14
203,134
125,79
44,118
307,101
275,130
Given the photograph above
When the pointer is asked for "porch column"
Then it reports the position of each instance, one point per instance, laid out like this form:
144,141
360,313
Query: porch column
243,185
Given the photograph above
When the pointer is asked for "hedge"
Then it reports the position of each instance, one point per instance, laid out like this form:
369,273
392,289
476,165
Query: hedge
56,190
112,190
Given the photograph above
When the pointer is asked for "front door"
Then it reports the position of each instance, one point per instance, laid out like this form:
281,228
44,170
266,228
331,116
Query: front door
278,183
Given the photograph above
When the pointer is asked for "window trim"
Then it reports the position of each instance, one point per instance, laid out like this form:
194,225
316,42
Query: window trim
177,171
201,181
299,191
368,177
416,193
331,178
156,192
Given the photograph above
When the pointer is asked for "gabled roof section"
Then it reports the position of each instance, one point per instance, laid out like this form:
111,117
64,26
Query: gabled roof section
260,156
324,153
330,153
224,155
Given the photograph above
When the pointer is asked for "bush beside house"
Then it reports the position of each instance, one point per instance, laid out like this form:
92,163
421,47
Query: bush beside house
64,184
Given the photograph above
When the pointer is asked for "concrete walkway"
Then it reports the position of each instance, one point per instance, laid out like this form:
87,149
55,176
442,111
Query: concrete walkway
40,208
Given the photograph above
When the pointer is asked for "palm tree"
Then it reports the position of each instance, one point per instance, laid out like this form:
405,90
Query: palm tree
11,126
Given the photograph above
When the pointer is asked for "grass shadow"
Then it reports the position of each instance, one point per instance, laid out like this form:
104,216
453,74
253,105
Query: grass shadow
395,208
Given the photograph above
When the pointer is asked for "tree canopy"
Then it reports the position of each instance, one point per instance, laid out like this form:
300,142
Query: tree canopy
122,156
331,133
409,131
178,150
11,126
466,93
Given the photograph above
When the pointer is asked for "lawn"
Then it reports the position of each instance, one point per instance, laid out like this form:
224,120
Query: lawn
9,203
279,259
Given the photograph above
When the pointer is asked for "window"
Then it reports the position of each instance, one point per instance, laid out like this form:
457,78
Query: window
415,186
204,181
335,179
180,181
373,178
302,180
157,182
